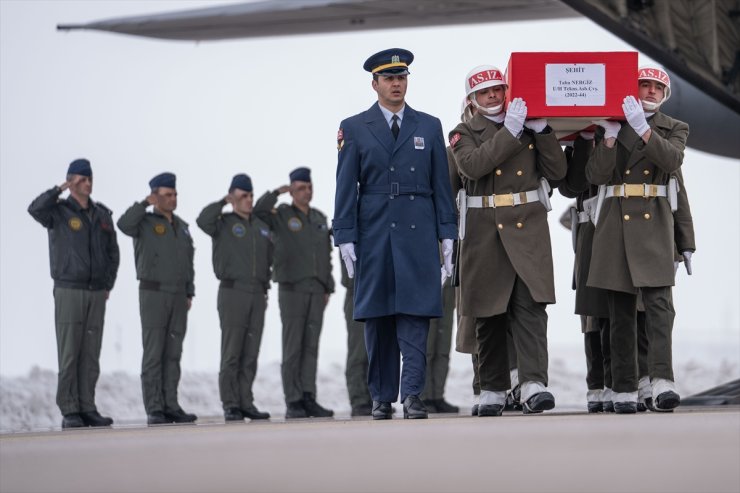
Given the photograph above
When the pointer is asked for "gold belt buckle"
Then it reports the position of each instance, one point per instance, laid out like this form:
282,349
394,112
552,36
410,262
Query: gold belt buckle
504,200
634,190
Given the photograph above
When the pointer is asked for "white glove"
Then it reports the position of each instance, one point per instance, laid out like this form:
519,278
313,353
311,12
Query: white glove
516,113
447,255
587,135
687,261
536,124
635,115
347,252
611,129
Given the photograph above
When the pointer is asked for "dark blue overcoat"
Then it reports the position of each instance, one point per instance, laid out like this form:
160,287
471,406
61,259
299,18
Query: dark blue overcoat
393,200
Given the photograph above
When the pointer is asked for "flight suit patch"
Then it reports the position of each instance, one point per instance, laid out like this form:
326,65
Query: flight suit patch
186,230
238,230
160,229
295,224
265,232
455,139
75,224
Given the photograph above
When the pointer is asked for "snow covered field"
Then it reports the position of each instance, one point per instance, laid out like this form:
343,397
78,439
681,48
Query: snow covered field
28,402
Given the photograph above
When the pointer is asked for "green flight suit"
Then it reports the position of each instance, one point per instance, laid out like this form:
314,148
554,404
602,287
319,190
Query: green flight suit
242,256
164,267
356,370
302,268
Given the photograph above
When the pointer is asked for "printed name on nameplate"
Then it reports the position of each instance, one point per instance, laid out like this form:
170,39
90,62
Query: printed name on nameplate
575,84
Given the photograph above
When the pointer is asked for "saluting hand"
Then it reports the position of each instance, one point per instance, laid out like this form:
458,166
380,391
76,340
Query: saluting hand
283,189
151,199
64,185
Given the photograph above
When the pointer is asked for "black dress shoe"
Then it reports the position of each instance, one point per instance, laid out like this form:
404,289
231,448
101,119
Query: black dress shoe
431,405
474,410
625,407
541,401
233,414
667,401
445,407
72,420
313,409
157,418
413,408
595,407
252,412
93,418
179,416
490,410
362,410
382,410
295,410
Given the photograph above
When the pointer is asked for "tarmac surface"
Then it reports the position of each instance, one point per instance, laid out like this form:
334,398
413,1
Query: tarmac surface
690,450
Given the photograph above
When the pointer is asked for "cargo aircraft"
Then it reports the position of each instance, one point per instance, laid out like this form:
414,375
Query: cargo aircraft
698,42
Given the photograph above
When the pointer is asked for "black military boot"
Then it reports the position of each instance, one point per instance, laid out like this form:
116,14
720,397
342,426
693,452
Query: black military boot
362,410
595,407
252,412
539,402
445,407
93,418
474,410
72,420
179,416
233,414
628,407
157,418
513,399
313,409
413,408
295,410
431,405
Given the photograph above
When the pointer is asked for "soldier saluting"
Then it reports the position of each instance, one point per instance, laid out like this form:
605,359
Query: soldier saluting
163,249
84,258
242,257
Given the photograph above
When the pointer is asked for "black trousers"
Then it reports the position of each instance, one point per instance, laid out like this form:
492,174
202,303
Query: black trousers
598,356
528,320
659,316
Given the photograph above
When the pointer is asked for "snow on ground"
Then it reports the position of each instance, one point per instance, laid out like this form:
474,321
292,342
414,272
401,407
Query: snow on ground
28,402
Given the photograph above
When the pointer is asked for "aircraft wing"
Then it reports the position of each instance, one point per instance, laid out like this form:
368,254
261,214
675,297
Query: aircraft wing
290,17
696,40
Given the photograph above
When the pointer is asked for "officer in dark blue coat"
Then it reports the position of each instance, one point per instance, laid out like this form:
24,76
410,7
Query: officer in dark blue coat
393,204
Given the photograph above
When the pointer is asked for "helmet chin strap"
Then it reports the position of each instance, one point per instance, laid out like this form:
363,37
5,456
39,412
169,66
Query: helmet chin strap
487,111
649,106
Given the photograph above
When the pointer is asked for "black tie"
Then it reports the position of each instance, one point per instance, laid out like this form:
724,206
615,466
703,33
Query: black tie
394,127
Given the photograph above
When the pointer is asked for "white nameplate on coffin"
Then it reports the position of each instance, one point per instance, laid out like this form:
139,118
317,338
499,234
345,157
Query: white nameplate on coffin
575,84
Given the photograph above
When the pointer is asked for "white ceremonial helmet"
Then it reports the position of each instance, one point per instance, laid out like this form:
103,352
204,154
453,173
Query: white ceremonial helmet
657,74
465,112
482,77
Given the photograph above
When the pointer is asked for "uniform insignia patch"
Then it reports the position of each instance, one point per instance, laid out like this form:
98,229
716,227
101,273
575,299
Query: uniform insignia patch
75,224
238,230
340,139
419,143
455,139
265,233
160,229
186,230
295,224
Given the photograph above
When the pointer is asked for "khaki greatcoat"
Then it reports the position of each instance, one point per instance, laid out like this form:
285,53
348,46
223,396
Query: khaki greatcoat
504,242
634,239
